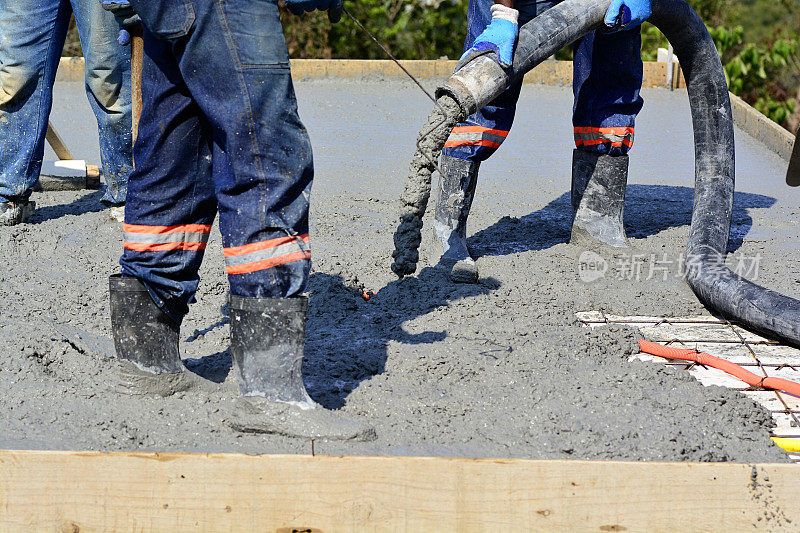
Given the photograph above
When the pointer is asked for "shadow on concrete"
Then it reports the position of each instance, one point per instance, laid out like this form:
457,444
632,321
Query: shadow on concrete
649,209
348,337
89,203
214,367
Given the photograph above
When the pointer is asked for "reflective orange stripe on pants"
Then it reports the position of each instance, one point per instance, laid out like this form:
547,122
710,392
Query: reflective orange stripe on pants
616,136
141,238
475,136
266,254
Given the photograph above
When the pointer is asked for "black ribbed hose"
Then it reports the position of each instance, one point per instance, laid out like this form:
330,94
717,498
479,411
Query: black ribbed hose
482,79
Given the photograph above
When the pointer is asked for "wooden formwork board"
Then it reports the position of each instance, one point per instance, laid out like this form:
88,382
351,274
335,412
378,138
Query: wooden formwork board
548,73
83,491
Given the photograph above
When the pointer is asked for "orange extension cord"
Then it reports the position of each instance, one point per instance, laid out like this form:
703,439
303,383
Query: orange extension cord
720,364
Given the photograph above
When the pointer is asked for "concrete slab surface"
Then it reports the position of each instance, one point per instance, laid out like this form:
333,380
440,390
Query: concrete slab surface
497,369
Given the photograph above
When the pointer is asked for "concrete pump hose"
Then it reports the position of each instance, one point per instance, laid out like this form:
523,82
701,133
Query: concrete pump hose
482,79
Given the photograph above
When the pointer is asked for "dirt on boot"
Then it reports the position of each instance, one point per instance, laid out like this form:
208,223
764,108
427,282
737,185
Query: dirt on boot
464,271
127,378
254,414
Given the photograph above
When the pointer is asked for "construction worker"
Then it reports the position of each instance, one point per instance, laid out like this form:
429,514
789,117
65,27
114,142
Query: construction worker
220,132
606,85
33,34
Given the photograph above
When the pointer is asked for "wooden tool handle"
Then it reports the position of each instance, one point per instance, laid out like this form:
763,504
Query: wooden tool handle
58,146
137,52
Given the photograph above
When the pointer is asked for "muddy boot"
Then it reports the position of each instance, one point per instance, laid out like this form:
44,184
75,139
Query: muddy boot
146,340
15,212
456,191
267,345
117,213
598,199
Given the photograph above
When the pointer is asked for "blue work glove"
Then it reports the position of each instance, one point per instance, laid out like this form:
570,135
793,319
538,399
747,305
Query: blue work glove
333,7
124,37
627,14
500,36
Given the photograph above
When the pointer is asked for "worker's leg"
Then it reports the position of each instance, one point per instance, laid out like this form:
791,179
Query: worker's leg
471,142
108,86
172,202
168,216
239,74
32,34
607,82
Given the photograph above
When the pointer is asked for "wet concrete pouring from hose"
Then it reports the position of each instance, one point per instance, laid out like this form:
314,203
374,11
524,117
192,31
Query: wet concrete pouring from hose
415,197
497,369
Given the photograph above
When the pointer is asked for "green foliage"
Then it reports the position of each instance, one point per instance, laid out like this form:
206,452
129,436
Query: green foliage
757,40
760,74
72,46
411,29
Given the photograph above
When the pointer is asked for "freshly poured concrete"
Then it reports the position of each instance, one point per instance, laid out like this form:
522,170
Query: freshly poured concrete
501,368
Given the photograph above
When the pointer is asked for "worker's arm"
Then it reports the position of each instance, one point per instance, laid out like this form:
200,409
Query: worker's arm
627,14
500,36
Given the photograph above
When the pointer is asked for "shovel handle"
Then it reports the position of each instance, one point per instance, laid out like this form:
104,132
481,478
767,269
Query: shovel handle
137,52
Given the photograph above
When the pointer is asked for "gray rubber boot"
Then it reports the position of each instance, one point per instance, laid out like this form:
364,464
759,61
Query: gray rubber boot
267,345
15,212
598,199
456,191
146,341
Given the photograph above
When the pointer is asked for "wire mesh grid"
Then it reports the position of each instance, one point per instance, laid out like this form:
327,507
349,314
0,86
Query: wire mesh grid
728,341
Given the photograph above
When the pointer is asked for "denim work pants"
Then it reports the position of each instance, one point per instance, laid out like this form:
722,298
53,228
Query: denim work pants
606,84
219,132
32,34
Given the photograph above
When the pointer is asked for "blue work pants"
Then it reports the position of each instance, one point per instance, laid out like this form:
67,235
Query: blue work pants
606,84
219,132
32,35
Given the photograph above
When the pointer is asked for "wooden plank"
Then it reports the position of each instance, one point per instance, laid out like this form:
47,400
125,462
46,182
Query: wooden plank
777,355
75,491
690,332
549,72
705,319
769,399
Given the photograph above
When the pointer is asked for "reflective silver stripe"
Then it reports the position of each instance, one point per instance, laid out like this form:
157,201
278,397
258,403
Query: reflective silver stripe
268,253
475,136
603,136
164,238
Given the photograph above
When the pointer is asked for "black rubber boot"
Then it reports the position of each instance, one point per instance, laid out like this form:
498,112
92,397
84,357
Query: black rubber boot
267,345
598,199
15,212
456,191
146,341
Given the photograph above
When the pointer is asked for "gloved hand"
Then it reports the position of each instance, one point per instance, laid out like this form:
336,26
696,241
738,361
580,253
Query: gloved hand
500,35
123,11
333,7
125,15
626,14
